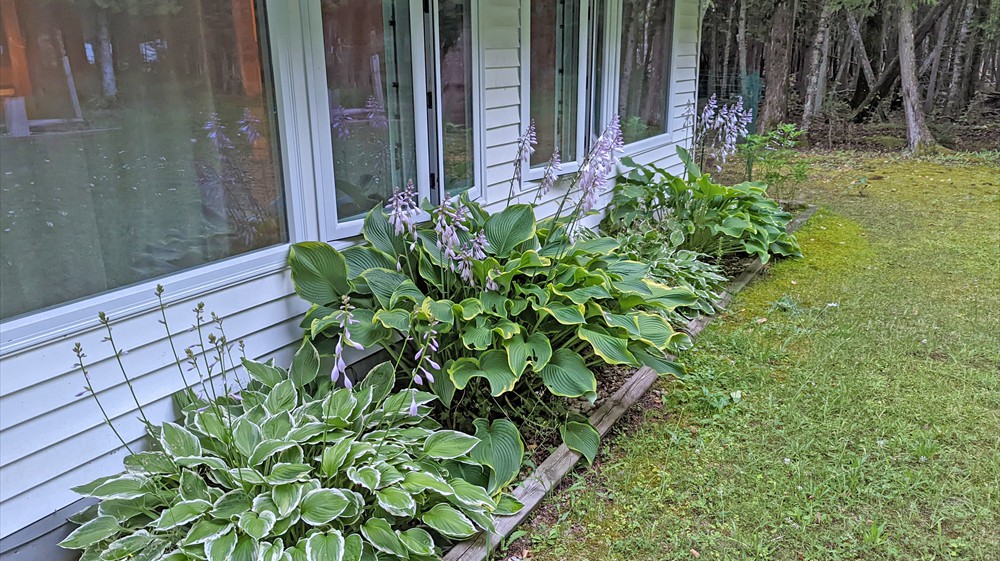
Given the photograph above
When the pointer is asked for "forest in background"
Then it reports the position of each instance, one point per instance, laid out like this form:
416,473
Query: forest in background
838,67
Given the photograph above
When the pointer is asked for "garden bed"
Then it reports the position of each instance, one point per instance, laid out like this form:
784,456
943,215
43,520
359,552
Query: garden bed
550,472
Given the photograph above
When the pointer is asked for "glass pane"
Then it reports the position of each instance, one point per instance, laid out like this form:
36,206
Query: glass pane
595,80
138,143
455,29
370,83
647,26
555,58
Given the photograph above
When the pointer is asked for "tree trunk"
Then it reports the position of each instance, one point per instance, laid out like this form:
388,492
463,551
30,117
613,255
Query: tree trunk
918,136
859,43
741,47
935,61
109,85
725,53
820,46
776,67
958,59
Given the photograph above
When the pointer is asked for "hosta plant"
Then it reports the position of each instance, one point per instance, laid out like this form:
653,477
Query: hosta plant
698,214
285,468
500,298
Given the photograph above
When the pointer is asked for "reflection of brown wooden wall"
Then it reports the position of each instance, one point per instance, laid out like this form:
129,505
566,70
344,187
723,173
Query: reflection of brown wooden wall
15,79
353,32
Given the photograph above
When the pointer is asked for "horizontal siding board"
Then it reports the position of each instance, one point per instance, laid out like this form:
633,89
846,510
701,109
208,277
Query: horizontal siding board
501,58
503,116
502,37
502,78
502,97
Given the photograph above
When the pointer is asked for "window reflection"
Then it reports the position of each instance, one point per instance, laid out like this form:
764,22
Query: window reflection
455,30
647,27
555,59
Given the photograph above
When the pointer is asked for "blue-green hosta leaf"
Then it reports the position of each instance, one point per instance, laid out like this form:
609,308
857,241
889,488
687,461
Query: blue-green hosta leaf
381,234
366,476
221,548
256,525
582,438
448,522
471,307
246,436
204,530
564,314
493,367
567,375
327,546
654,329
494,303
320,506
231,505
396,502
98,529
506,328
180,514
501,448
305,364
478,338
584,294
507,229
600,246
379,533
449,444
611,349
380,379
360,258
264,373
393,319
319,272
388,285
441,310
177,441
659,363
418,541
535,349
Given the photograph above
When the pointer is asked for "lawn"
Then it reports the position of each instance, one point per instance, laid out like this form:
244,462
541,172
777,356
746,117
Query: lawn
847,406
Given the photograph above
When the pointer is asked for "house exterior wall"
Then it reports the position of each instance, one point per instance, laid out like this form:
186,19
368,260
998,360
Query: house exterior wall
51,439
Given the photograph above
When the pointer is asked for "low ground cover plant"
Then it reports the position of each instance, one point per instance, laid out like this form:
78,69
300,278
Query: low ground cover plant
282,466
697,214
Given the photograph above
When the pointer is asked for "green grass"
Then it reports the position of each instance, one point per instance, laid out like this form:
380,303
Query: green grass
846,407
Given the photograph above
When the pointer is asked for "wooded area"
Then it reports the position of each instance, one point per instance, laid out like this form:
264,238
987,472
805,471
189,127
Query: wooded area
829,62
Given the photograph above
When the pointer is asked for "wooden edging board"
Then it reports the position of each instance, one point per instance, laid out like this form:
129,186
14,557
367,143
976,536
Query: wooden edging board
548,475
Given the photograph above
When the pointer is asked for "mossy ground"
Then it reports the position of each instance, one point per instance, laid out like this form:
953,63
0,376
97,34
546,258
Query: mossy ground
846,407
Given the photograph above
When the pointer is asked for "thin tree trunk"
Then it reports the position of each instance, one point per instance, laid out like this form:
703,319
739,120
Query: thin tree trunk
958,60
935,61
776,68
109,85
725,53
859,45
713,58
919,137
741,47
817,64
846,53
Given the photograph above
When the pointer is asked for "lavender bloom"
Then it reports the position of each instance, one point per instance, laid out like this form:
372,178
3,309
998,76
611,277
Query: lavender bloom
721,127
346,320
599,165
428,344
339,120
525,148
216,132
491,285
413,404
250,126
376,113
551,172
448,220
403,209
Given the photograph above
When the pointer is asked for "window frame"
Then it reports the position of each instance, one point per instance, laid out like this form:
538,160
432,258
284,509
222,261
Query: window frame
535,174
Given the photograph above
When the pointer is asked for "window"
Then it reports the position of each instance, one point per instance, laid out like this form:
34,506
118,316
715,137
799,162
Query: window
555,43
457,94
370,88
138,143
644,92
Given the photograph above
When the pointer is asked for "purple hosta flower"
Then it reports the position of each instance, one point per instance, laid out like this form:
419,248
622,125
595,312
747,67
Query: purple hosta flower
720,128
464,267
339,119
478,245
346,320
448,220
413,404
600,164
525,148
250,126
551,172
216,132
376,113
424,363
403,209
491,285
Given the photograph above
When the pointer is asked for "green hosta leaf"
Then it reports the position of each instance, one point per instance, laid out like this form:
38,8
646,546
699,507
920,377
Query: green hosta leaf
121,487
367,477
263,373
322,505
273,552
319,272
478,338
418,541
612,349
177,441
256,525
534,349
328,546
282,397
601,246
353,547
501,448
305,364
98,529
389,285
204,530
380,379
509,228
207,461
397,502
659,363
564,314
360,258
508,505
266,449
493,366
654,329
192,486
245,550
448,521
149,463
582,438
471,495
127,546
231,505
288,473
441,310
494,303
567,375
506,328
278,426
379,533
585,294
333,457
286,498
246,436
418,481
394,319
181,514
381,234
471,307
449,444
221,548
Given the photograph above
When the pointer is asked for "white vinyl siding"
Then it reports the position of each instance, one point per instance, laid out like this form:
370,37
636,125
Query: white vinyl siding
51,440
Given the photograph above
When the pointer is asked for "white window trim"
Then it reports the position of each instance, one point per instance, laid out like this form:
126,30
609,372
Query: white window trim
298,183
532,175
